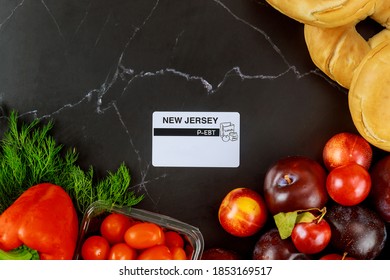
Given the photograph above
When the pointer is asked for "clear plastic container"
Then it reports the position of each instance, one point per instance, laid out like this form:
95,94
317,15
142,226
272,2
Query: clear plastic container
98,210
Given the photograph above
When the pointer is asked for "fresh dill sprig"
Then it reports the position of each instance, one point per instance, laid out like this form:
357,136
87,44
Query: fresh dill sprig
29,155
109,189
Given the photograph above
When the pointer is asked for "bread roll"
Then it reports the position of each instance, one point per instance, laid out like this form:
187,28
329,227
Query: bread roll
326,13
379,38
369,96
382,13
336,51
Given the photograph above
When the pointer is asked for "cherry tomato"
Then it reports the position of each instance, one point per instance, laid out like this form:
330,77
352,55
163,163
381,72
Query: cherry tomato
122,251
158,252
334,256
312,237
144,235
173,239
95,247
348,185
114,226
178,253
189,250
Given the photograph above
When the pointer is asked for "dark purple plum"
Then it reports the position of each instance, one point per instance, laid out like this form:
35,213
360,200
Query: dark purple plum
271,246
295,183
356,230
380,188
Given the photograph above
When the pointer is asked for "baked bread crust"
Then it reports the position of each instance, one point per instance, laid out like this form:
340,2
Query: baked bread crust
369,96
336,51
360,65
326,13
339,50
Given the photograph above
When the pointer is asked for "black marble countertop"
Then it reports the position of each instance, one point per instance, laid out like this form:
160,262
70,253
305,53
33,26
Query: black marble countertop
100,69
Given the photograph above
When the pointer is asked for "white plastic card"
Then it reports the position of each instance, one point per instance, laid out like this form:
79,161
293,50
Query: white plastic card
195,139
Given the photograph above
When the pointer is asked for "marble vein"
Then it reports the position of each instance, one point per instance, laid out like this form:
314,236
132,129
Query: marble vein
141,186
108,84
102,29
123,123
83,19
19,5
129,74
137,29
258,30
175,46
54,20
86,97
120,72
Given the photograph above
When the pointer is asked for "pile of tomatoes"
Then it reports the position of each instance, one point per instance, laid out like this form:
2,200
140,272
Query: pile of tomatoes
122,238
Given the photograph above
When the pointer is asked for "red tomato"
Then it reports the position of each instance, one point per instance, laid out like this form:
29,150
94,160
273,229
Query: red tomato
334,256
144,235
178,253
242,212
189,251
158,252
311,238
173,239
348,185
95,248
114,226
345,148
122,251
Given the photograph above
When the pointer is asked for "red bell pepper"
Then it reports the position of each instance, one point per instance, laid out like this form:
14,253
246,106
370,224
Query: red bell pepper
44,219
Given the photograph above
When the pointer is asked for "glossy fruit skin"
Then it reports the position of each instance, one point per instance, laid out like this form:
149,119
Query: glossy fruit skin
380,188
334,256
158,252
345,148
220,254
349,184
114,226
356,230
95,247
311,238
178,253
122,251
43,218
271,247
173,239
189,250
144,235
295,183
242,212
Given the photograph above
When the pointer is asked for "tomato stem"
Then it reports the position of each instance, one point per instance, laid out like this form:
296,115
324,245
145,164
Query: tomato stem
309,210
321,216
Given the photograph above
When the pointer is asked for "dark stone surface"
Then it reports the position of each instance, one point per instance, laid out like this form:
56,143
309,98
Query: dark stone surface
99,69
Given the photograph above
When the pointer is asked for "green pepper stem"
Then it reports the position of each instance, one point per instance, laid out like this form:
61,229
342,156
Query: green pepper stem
21,253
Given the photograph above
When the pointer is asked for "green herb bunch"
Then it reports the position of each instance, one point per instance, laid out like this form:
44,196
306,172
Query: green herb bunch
29,155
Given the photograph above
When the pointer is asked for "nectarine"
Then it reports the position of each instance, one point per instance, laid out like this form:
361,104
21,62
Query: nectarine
242,212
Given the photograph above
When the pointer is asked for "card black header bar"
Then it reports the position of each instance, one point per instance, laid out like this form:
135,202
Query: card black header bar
186,132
